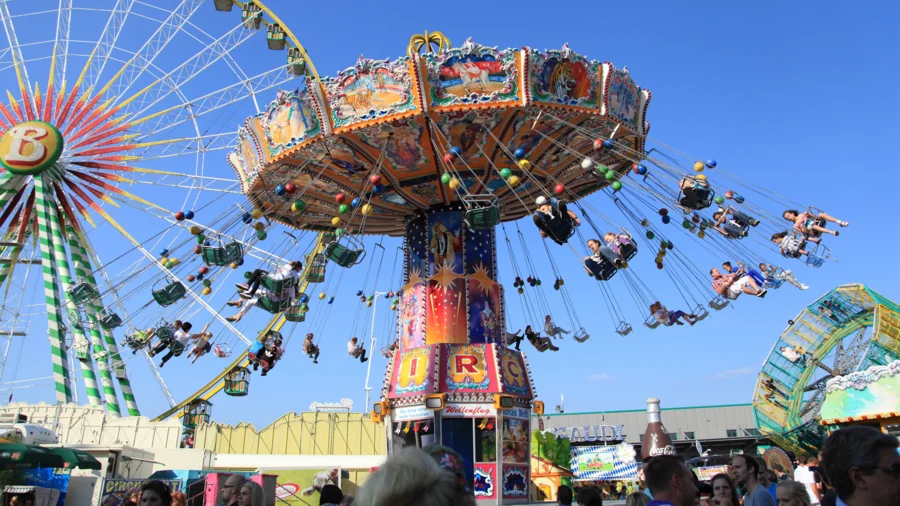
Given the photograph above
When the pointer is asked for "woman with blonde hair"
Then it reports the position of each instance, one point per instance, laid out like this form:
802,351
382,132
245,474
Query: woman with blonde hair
412,478
792,493
637,499
251,494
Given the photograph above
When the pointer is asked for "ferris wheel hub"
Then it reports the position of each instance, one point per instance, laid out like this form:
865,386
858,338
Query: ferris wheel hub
30,147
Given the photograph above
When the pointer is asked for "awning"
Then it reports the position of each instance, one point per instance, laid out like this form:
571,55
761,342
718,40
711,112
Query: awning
22,456
73,458
18,489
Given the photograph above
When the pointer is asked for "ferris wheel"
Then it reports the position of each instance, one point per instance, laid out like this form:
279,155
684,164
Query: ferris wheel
850,328
114,130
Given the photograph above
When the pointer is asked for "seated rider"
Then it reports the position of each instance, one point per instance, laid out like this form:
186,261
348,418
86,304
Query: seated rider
542,344
552,330
790,245
164,343
310,348
757,277
182,339
513,339
139,339
202,346
600,259
389,351
669,318
291,270
356,350
621,244
811,224
794,354
270,355
736,226
771,273
554,219
732,285
254,300
695,194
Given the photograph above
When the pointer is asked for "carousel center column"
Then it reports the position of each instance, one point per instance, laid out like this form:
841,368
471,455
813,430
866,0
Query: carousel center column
452,381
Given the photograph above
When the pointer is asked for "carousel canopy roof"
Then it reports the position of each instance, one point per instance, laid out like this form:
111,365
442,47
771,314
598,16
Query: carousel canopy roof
461,113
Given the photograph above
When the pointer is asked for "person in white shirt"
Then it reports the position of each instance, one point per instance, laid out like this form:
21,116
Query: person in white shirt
669,318
793,354
292,270
552,330
181,341
356,351
805,476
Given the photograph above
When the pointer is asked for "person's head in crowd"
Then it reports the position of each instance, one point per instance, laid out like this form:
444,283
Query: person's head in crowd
231,489
412,477
723,488
590,496
792,493
863,466
812,462
564,495
331,495
670,479
449,460
251,494
801,460
746,471
155,493
637,499
178,499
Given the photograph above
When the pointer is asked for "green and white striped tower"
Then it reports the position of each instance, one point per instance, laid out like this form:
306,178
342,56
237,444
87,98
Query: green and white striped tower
87,367
51,295
81,259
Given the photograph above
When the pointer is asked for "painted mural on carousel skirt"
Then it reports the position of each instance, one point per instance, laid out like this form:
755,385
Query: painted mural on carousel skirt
413,295
472,74
289,120
484,306
446,316
560,76
371,90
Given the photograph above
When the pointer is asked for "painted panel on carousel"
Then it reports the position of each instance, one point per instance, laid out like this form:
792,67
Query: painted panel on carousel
472,74
562,77
445,242
341,159
417,248
515,482
402,142
245,159
623,97
485,318
413,373
863,394
412,311
445,316
485,481
288,121
514,374
468,368
371,90
425,191
469,131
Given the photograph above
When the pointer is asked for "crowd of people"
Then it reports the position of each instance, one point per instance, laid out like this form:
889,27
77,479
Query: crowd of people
858,466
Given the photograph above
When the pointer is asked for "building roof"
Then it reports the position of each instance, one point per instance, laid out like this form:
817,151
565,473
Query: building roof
608,412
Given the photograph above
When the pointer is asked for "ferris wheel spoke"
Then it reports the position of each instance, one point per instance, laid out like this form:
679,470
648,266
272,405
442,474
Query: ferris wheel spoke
60,49
157,150
190,182
155,45
193,66
106,42
18,59
216,101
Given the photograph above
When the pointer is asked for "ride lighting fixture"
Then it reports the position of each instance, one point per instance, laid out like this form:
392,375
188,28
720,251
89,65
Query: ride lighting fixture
435,401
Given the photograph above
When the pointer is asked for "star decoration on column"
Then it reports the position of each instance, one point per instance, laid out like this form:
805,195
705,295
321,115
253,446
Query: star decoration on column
445,277
483,278
415,277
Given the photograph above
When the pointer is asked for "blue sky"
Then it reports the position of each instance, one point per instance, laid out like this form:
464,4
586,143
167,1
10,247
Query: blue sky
800,99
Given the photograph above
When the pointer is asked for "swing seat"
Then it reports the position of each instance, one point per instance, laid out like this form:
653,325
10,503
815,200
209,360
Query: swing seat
702,203
623,329
719,303
164,333
74,317
651,322
254,350
700,312
176,348
581,335
482,211
110,320
295,314
273,306
818,256
316,271
222,351
277,286
120,372
82,293
222,255
606,270
344,256
627,250
542,347
170,294
774,283
136,341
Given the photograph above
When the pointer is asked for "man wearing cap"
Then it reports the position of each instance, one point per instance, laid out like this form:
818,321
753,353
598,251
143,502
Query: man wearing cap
554,220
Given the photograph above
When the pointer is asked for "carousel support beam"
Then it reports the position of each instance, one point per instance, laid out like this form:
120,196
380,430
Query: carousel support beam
51,295
87,366
84,271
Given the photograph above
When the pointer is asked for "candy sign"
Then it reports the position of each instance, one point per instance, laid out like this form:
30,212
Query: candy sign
600,433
